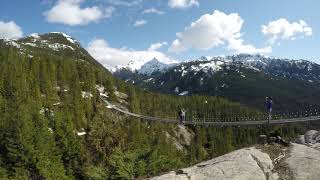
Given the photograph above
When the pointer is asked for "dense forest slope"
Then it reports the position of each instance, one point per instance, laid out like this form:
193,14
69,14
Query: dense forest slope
53,124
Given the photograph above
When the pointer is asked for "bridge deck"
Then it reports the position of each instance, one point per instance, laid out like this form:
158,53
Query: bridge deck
213,123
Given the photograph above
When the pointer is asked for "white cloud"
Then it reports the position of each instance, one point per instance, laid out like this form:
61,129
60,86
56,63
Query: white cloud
153,10
283,29
182,3
213,30
238,46
69,12
157,46
112,57
139,23
10,30
109,11
127,3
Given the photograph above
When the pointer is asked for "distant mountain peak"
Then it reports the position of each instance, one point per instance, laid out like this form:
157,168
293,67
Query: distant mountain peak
53,43
54,40
153,66
143,66
69,38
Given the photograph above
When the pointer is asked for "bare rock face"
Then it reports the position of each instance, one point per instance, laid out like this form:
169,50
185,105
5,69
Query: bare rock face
304,162
310,136
297,162
181,137
186,135
243,164
300,139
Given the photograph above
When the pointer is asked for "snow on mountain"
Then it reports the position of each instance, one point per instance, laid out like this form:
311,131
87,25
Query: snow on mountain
134,65
54,40
57,46
240,65
146,67
300,69
153,66
69,38
213,66
12,42
35,35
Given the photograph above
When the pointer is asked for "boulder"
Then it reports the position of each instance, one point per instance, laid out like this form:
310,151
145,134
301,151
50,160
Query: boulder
317,137
300,139
246,164
304,162
262,139
272,139
310,136
281,141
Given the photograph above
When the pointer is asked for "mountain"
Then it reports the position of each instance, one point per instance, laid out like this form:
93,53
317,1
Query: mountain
144,67
242,78
55,126
154,66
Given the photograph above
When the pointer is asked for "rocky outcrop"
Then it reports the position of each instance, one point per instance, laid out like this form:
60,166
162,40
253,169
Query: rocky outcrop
304,162
181,137
310,137
246,164
266,162
304,159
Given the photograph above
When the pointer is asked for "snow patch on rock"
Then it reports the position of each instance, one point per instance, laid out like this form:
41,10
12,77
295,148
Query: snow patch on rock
86,94
183,93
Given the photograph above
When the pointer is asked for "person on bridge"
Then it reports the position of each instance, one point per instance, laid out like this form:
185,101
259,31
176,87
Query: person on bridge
269,107
182,115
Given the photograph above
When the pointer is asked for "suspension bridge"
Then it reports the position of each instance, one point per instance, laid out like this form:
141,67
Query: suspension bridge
308,117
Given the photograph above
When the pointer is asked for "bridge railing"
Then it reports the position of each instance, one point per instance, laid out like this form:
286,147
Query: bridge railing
277,118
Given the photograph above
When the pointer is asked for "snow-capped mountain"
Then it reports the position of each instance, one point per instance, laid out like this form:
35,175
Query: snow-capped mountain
144,67
55,41
292,69
243,78
154,66
286,68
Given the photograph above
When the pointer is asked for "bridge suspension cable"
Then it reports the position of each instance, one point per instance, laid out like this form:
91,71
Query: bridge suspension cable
292,118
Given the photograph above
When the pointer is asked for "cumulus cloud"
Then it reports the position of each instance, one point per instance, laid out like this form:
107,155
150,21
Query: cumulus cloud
70,12
213,30
157,46
283,29
127,3
182,3
238,46
139,23
10,30
111,57
109,11
153,11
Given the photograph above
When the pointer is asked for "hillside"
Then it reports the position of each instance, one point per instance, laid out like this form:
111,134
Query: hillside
52,116
242,78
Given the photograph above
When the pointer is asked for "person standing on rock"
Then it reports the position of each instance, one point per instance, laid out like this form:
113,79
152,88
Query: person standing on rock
269,107
182,115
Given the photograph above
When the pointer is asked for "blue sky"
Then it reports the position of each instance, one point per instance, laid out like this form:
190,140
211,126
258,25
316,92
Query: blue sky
114,31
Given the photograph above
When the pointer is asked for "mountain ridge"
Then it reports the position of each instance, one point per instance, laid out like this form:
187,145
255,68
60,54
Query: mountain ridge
242,78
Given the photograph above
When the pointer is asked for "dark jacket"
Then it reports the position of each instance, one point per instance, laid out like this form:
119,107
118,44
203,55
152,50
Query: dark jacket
269,104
